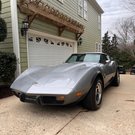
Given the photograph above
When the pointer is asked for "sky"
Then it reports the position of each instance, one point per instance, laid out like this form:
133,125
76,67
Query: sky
114,10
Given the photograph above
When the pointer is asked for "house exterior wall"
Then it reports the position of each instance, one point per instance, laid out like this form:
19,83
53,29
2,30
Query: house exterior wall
23,44
7,45
91,36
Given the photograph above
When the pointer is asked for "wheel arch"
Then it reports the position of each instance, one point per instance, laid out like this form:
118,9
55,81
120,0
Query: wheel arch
97,75
89,101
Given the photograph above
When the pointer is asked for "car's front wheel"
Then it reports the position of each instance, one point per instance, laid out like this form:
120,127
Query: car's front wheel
94,98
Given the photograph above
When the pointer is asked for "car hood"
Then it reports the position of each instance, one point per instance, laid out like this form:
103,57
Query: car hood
60,78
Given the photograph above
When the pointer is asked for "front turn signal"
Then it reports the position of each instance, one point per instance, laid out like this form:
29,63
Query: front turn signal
60,98
79,94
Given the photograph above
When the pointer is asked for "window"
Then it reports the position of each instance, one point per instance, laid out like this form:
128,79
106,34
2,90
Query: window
75,58
104,58
92,58
99,22
83,9
98,47
80,8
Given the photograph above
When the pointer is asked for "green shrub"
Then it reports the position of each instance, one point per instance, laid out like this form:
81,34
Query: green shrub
7,67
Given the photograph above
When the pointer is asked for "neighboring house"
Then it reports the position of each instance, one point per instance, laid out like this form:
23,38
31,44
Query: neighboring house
56,28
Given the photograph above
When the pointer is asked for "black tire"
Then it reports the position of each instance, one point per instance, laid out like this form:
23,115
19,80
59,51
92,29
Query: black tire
116,79
93,99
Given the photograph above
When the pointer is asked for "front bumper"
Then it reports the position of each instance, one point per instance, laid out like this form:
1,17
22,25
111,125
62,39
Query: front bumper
42,100
39,99
46,99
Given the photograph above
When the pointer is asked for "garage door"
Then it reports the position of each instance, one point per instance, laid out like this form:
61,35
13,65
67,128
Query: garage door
48,51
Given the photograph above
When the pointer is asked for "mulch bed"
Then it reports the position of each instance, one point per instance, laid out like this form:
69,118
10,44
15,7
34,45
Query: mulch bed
5,91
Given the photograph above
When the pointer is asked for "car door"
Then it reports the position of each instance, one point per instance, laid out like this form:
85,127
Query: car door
107,67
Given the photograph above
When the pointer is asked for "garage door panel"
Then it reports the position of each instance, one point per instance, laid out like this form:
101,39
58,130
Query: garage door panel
48,51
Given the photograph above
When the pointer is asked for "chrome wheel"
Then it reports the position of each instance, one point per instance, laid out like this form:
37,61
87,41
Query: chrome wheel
93,99
98,93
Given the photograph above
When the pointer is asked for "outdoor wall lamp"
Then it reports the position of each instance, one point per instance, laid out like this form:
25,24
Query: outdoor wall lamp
25,27
79,42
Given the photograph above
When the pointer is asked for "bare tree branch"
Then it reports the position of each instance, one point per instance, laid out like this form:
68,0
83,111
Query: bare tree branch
125,31
130,4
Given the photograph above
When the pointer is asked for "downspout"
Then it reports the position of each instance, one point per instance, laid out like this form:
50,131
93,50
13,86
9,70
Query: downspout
15,34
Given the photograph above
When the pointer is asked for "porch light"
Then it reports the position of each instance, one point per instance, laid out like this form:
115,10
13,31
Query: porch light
25,27
79,42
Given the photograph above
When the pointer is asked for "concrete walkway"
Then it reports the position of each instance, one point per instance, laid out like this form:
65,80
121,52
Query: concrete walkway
116,116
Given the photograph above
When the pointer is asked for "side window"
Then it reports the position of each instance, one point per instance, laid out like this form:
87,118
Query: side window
103,58
72,59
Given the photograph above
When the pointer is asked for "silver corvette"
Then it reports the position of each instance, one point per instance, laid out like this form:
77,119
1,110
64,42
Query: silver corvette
81,78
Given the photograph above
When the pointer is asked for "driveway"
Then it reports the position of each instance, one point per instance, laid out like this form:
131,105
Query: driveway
116,116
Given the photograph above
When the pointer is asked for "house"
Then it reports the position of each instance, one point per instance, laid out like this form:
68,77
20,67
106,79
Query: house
46,32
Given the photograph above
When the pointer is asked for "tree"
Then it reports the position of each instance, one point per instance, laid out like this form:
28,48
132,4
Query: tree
114,41
125,30
106,43
126,59
130,5
109,45
123,55
114,52
126,35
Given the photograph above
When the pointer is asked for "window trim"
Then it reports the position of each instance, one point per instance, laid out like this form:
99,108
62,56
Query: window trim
83,9
98,47
80,8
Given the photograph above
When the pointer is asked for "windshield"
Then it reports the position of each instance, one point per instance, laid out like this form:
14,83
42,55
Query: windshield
84,58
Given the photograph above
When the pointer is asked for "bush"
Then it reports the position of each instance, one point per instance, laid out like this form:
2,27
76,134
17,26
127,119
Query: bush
7,67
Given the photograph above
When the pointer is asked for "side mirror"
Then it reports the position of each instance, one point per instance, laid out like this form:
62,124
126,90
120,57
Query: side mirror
107,61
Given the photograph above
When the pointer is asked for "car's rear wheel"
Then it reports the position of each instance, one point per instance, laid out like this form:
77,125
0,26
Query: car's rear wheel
94,98
116,80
